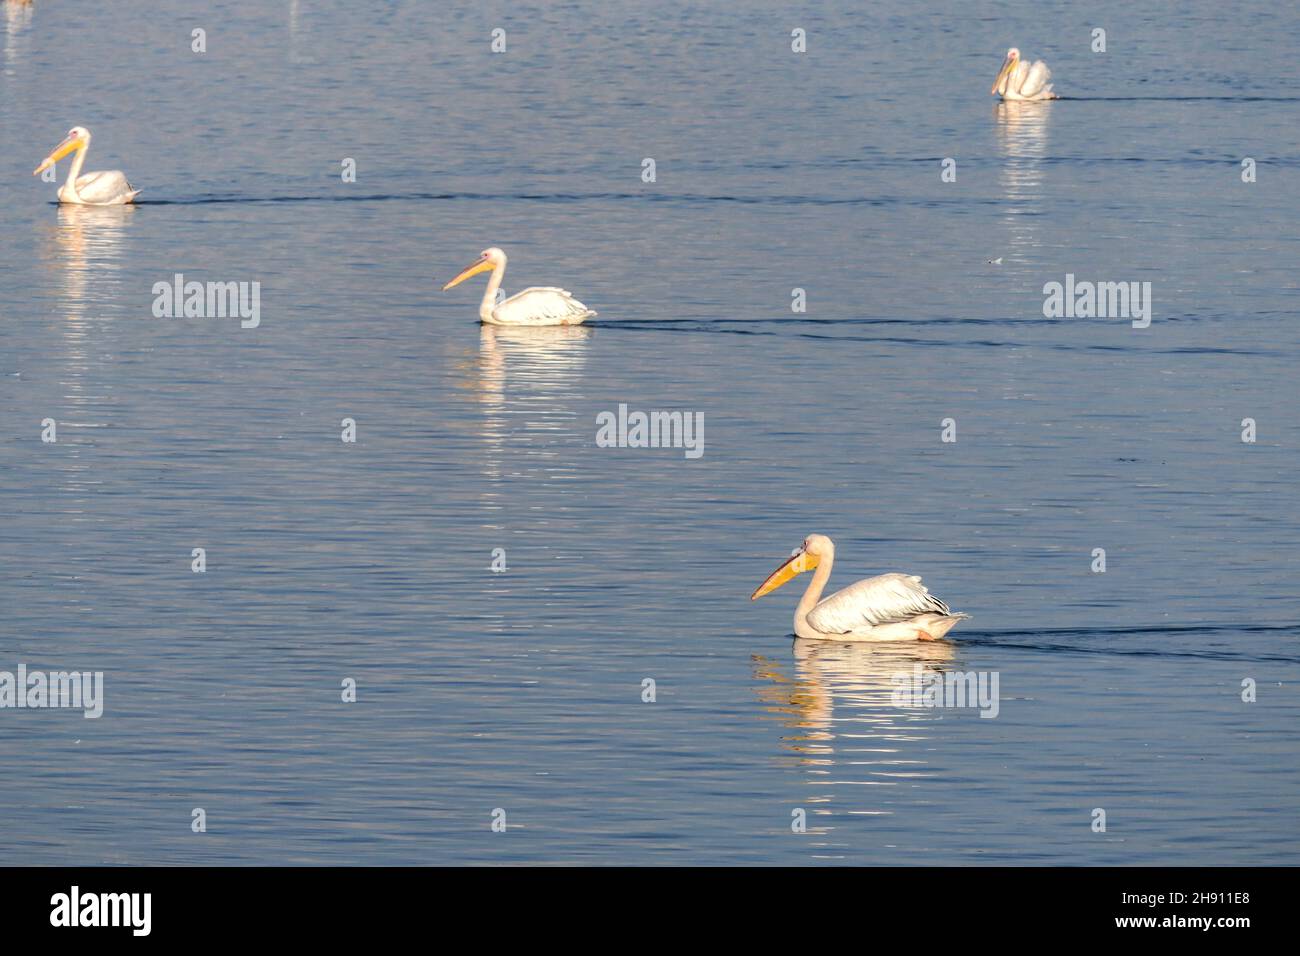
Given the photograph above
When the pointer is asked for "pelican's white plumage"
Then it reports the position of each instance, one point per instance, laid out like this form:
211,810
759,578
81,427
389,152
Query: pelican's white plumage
1018,80
540,305
109,188
872,602
889,607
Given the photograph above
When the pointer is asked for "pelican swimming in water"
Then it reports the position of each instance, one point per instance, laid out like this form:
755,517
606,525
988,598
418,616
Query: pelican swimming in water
1020,81
93,189
890,607
536,306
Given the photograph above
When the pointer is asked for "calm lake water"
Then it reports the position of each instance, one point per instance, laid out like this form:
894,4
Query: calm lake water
522,690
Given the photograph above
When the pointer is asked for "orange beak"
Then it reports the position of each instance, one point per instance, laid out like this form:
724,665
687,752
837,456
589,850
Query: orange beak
481,265
65,147
798,563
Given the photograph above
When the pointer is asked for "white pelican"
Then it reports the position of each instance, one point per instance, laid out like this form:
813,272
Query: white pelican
890,607
1018,81
536,306
93,189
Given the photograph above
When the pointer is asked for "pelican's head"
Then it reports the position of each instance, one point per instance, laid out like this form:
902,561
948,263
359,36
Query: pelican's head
487,260
803,558
78,138
1004,74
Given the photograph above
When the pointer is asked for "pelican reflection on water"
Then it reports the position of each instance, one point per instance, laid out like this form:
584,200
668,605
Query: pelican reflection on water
860,677
844,728
1023,139
541,362
85,253
528,381
85,250
18,20
889,607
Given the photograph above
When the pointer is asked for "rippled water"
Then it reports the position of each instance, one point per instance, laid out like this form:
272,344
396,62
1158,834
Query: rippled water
522,690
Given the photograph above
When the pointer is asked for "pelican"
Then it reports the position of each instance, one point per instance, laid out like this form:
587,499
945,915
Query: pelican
536,306
93,189
1017,81
890,607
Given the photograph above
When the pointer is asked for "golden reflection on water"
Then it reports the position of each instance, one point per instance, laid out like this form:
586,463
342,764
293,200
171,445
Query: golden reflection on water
83,251
529,381
18,19
1022,132
301,43
82,254
845,732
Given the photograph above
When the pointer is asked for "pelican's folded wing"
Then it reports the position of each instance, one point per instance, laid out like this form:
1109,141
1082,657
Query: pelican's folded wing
885,599
105,187
540,305
1038,78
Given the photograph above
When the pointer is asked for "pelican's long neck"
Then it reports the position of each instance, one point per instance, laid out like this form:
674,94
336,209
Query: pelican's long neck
1016,78
490,293
78,158
815,587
